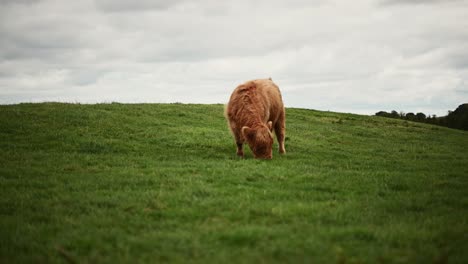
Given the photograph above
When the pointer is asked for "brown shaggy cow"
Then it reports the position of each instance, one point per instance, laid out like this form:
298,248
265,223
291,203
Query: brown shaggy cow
254,110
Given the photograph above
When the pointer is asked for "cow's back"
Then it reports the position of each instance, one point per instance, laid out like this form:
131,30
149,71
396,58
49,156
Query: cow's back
258,97
270,97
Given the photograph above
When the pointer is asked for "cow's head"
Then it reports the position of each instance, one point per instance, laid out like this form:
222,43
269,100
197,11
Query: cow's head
260,140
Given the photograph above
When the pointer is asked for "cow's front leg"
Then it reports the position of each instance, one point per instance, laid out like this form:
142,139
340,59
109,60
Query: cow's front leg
240,152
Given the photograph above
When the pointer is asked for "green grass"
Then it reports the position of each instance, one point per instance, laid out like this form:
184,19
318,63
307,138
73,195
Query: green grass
161,183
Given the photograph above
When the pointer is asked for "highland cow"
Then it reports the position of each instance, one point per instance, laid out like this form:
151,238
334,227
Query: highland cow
254,110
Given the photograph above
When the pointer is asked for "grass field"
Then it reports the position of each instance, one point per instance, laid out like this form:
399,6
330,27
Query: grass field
161,183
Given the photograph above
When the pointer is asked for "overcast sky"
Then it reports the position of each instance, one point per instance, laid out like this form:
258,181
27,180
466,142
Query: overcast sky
347,56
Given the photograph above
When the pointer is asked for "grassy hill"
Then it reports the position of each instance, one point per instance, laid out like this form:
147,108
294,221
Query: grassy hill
161,183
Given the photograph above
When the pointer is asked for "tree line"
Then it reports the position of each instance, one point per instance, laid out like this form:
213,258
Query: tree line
457,119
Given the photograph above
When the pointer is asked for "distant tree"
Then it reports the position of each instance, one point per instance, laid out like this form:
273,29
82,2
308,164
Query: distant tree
442,121
455,119
431,119
420,117
382,113
458,118
410,116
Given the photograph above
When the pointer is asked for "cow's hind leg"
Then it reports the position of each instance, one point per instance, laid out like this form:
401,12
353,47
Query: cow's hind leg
280,130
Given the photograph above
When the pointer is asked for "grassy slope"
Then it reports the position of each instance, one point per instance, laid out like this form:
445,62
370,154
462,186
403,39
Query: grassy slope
113,182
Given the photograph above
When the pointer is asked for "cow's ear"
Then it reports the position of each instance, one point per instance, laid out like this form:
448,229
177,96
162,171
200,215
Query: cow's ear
247,132
270,125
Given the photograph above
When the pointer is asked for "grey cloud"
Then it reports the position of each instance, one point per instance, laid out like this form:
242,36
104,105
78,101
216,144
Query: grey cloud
22,2
55,47
84,76
28,34
461,62
417,2
133,6
390,2
330,55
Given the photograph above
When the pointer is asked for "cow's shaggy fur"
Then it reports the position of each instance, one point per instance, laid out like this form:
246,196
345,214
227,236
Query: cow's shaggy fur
254,110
